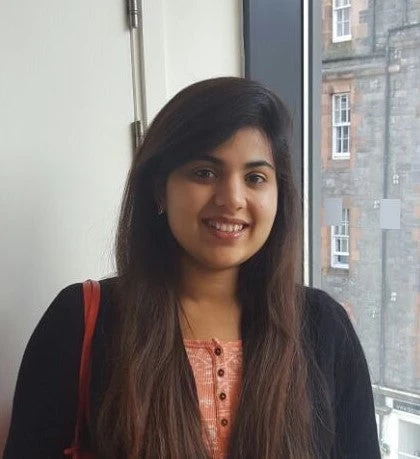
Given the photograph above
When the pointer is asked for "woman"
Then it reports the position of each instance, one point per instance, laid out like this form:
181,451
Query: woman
205,345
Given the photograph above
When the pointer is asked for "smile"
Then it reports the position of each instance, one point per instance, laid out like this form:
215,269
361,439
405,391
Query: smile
226,227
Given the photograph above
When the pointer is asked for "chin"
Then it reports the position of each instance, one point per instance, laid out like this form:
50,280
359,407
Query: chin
222,266
216,259
223,263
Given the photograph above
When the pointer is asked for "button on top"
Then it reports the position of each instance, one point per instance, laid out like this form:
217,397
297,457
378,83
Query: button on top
224,422
222,396
221,372
217,351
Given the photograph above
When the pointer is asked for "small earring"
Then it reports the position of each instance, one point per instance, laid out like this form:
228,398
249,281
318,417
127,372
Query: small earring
160,210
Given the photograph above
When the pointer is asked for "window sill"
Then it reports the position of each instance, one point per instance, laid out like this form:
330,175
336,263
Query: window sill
341,39
340,157
336,271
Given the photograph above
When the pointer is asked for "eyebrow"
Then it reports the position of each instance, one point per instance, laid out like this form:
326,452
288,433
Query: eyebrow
250,165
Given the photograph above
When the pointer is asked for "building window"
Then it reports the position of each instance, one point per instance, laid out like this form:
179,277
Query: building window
341,20
341,126
340,242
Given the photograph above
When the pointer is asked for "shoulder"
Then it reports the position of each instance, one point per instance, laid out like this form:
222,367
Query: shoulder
73,293
324,313
339,356
46,393
332,339
69,301
63,321
328,329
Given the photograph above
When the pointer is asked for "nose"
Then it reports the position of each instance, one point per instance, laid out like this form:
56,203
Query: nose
230,194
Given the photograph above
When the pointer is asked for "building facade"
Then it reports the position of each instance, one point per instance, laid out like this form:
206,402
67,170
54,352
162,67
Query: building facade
371,197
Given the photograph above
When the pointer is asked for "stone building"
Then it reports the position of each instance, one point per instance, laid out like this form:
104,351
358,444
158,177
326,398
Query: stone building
371,168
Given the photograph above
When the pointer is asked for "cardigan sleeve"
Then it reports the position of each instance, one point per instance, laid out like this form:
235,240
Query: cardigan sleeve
356,432
45,400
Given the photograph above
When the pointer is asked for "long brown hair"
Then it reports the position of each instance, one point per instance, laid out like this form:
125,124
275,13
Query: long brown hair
150,408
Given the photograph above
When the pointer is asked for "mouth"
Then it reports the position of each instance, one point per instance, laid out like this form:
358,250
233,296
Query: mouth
226,229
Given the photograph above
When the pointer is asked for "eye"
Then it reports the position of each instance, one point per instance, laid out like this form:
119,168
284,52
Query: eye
255,179
204,174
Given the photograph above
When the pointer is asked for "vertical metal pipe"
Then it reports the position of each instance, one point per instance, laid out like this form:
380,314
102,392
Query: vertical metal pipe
384,299
135,23
373,26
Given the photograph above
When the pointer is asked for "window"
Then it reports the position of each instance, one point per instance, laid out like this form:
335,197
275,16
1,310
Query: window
382,287
341,20
340,242
341,126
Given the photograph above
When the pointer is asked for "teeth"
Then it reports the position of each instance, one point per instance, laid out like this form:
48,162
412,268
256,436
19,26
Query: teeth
228,228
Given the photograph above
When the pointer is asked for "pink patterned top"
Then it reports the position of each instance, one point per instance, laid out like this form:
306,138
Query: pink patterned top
217,368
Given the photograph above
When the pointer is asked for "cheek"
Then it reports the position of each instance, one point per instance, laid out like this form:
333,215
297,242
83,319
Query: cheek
267,208
183,206
182,200
177,209
175,196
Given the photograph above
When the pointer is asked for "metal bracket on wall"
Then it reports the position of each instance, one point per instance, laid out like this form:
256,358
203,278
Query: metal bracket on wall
134,14
137,133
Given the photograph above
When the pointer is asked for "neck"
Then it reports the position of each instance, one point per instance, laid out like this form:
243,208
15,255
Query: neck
205,286
209,306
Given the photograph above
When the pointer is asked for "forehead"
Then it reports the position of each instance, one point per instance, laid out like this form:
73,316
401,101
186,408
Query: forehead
246,144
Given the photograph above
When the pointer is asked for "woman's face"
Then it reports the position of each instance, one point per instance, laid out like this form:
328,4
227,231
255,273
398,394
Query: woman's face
221,207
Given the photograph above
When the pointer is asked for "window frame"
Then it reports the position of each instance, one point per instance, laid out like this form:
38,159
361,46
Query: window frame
335,21
338,125
265,23
297,78
344,228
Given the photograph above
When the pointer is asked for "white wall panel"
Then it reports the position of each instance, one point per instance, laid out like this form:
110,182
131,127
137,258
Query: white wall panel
66,105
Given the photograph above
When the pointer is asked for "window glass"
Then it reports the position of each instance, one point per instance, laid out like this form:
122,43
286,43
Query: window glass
341,20
370,163
340,126
340,242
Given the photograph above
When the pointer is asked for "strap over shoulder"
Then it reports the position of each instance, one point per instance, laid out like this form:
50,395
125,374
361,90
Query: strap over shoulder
91,298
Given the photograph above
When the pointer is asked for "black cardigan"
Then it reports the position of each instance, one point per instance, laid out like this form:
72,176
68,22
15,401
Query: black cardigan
44,406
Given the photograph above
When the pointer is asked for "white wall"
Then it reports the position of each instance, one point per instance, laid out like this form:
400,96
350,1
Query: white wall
187,41
65,111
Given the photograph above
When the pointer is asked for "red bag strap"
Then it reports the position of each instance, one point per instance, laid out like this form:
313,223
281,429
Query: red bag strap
91,297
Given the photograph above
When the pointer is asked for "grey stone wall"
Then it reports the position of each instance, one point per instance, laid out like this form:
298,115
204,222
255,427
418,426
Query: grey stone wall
385,162
402,246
